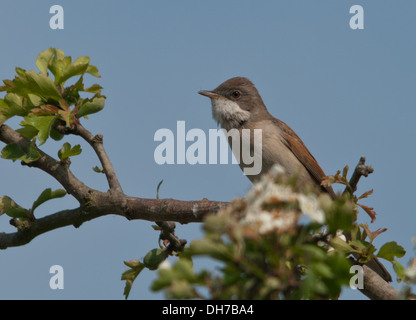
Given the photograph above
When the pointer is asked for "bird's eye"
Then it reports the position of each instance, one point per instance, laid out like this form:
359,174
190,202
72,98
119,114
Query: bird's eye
236,94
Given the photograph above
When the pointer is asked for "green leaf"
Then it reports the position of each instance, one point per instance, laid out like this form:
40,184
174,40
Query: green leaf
42,123
28,132
12,209
7,85
341,245
55,135
61,67
206,246
34,100
95,88
390,250
43,59
98,170
68,151
68,70
3,111
15,106
399,269
15,103
361,245
20,213
20,71
312,252
165,277
131,274
182,273
57,56
340,215
66,113
93,70
91,106
13,152
37,84
154,257
46,195
322,269
79,85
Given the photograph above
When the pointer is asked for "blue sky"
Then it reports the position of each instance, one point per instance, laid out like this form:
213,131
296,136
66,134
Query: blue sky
347,93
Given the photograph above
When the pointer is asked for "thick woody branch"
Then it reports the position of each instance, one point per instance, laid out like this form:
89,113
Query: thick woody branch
56,169
101,204
376,288
54,221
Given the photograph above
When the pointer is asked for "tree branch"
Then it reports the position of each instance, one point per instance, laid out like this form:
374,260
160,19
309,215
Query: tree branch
96,143
167,233
54,221
102,204
376,288
48,164
360,170
95,203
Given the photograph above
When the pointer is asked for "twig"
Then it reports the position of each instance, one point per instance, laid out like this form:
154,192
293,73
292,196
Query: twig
360,170
168,233
96,142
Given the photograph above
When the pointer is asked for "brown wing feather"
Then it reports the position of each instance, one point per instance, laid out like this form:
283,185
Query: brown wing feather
296,145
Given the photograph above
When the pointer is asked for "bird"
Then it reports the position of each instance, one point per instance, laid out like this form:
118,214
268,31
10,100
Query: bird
236,104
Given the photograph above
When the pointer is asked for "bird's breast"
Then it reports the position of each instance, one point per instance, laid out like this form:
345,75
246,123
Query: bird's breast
268,147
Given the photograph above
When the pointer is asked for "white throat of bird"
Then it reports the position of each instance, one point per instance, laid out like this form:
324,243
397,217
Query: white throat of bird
228,113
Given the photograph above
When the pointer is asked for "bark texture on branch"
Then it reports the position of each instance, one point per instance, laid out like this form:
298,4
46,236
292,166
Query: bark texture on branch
107,203
376,288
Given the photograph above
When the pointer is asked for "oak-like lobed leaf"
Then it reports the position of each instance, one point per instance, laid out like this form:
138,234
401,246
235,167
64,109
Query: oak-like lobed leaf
47,195
42,123
390,250
14,152
90,106
12,209
67,151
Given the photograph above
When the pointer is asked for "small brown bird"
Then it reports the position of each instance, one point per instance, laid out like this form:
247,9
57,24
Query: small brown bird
236,104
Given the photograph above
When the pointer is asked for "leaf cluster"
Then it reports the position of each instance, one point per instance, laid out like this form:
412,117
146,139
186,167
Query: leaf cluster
44,102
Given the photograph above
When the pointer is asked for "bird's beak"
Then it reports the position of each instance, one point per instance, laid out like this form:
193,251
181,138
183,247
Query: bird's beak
209,94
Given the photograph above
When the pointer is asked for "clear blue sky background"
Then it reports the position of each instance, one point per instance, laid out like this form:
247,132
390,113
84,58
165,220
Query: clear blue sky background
346,93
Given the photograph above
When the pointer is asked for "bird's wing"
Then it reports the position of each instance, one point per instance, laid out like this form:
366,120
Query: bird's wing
296,145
